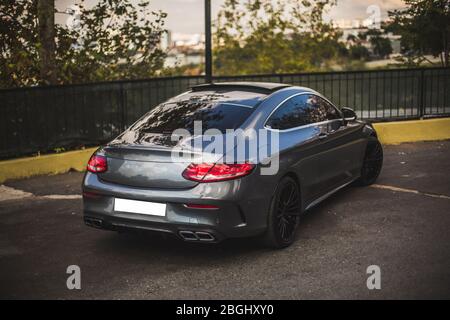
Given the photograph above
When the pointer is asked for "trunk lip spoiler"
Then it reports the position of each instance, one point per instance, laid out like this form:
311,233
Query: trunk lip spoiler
114,152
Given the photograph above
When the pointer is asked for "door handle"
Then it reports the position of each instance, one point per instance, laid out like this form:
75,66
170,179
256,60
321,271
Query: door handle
322,136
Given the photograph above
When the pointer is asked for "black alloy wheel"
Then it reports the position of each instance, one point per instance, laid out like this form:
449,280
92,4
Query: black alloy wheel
373,162
284,214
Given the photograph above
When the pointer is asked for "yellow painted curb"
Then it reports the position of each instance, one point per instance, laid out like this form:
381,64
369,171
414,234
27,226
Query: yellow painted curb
46,164
413,131
388,133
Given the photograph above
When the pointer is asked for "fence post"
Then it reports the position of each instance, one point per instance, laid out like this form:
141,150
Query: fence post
208,50
422,94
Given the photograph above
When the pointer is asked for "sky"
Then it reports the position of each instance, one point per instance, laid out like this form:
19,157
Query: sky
186,16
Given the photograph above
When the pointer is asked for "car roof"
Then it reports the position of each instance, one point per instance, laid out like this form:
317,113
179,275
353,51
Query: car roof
259,87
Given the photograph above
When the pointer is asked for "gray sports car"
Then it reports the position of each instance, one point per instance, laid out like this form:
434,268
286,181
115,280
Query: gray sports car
162,174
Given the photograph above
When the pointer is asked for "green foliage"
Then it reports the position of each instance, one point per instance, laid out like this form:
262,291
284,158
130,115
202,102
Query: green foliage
266,36
113,40
59,150
19,45
358,52
424,27
381,45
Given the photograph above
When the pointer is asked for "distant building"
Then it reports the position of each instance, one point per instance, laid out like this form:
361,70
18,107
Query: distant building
355,27
185,49
166,40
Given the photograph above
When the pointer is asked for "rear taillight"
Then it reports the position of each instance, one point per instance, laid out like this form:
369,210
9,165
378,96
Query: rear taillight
97,164
209,172
91,195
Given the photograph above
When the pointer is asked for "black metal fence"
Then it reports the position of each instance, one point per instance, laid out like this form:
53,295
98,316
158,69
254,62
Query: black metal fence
45,119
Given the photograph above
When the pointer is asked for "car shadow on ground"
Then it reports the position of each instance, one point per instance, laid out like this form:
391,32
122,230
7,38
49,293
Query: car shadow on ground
149,246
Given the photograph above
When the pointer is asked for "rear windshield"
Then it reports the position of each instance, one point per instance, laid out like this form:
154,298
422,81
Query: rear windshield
170,116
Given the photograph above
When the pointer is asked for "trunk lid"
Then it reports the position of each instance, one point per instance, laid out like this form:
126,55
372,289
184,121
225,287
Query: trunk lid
150,165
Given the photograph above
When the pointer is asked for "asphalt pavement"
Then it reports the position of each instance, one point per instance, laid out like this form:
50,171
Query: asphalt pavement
402,225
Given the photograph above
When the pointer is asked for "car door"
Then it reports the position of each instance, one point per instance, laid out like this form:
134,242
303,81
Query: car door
344,144
303,128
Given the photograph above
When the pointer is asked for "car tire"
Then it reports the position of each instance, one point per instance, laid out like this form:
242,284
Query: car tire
283,217
372,164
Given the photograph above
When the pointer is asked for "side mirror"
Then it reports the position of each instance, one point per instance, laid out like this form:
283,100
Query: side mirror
349,114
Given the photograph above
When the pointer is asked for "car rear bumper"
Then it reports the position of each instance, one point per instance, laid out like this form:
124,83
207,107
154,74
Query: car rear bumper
239,214
181,231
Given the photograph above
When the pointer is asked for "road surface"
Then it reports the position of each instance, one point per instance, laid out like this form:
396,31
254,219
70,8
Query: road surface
401,225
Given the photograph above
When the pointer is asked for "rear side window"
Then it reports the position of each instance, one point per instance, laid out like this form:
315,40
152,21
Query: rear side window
297,111
181,115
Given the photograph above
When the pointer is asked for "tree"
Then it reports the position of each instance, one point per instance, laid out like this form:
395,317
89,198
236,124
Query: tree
381,46
46,45
114,39
266,36
19,56
358,52
424,27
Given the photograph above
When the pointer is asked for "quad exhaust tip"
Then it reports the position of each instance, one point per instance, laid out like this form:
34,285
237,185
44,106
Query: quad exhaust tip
184,234
92,222
196,236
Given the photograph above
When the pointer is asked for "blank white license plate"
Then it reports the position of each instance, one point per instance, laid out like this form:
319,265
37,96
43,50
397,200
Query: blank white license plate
142,207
